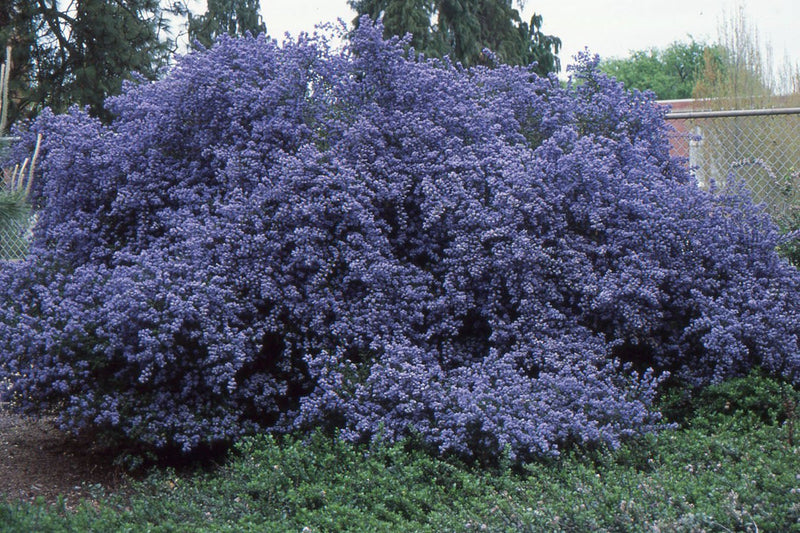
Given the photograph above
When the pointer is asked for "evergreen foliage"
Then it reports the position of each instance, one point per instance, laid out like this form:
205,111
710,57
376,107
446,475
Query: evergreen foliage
462,29
232,17
69,53
283,237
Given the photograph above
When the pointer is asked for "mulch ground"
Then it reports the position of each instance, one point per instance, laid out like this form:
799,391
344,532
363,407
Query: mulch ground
39,461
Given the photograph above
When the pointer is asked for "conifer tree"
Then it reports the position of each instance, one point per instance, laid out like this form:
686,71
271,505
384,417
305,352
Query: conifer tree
80,52
234,17
462,29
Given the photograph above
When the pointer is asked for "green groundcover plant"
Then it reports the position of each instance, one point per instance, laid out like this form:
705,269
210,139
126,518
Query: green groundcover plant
729,466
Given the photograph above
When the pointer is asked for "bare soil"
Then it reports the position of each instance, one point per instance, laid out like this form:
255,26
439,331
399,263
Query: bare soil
39,461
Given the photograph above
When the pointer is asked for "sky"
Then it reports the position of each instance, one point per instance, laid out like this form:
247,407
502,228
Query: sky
604,27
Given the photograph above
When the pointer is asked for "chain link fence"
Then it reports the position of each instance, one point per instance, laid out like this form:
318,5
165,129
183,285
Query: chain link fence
756,148
15,237
16,220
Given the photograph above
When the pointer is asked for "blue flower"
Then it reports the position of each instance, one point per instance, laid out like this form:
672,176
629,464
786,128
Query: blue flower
282,237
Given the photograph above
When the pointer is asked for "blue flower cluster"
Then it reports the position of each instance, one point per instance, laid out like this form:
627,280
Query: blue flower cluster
279,237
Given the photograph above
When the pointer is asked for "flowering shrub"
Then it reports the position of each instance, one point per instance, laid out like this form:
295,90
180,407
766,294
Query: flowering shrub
282,237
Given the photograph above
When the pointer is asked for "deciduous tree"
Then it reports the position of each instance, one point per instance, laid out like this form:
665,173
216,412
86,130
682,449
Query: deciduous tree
672,73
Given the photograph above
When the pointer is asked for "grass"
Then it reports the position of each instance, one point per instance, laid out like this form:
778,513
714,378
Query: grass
731,464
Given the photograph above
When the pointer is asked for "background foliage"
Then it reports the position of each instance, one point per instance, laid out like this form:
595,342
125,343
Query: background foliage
231,17
463,29
671,73
79,53
737,71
